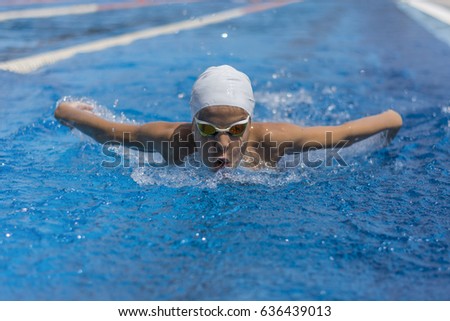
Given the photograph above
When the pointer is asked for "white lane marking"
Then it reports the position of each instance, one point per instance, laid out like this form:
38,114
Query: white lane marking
48,12
33,63
436,11
81,9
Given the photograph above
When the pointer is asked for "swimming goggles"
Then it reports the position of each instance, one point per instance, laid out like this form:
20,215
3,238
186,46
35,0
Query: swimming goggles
236,129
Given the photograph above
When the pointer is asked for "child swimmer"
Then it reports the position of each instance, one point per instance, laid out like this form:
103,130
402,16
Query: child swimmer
222,130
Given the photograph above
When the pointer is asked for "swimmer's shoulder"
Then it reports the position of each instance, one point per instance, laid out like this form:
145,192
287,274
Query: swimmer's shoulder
164,131
261,131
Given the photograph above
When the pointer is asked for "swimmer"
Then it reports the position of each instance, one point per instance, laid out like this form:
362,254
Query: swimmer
222,129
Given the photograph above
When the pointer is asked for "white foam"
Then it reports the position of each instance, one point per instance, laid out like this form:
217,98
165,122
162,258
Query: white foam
172,176
290,169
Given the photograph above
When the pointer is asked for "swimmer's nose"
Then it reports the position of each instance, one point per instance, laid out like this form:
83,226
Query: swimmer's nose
224,141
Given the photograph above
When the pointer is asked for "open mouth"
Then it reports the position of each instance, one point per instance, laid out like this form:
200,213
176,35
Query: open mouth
221,163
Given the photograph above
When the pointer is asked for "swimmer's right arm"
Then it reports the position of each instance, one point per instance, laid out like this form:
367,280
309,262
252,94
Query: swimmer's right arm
79,115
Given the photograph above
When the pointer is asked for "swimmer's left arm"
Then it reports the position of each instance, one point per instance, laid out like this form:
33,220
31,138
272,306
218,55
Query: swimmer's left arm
348,133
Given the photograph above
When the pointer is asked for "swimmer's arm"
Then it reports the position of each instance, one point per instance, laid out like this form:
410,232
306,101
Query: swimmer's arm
348,133
79,115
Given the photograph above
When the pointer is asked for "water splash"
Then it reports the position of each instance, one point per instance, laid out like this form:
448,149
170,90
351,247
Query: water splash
201,177
99,110
281,106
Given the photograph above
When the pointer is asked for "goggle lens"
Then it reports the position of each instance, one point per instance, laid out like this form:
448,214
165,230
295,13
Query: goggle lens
237,129
206,130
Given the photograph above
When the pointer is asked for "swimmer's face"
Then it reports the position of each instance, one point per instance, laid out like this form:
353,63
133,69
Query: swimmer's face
220,149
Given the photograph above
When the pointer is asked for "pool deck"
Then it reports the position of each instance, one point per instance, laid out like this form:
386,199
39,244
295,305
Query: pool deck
445,3
433,15
438,9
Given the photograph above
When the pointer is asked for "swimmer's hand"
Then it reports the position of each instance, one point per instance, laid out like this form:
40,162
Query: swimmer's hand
67,112
394,122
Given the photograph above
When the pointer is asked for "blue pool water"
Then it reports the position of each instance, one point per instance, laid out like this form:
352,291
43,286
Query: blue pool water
377,229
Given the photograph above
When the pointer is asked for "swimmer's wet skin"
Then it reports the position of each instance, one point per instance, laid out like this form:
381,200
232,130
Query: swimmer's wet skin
222,130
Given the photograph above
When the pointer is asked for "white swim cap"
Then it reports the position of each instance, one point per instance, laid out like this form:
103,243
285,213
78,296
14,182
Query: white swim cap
222,85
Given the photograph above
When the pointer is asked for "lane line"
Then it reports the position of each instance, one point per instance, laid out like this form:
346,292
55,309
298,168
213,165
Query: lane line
26,3
32,63
438,12
49,12
141,3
